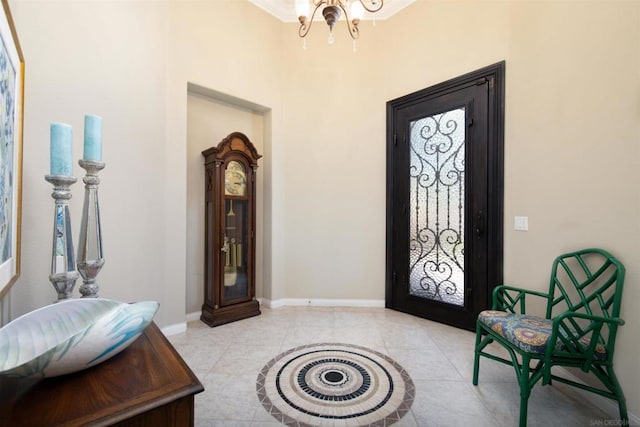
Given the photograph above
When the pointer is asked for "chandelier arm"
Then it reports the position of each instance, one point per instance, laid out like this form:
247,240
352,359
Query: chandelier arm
373,9
305,26
354,32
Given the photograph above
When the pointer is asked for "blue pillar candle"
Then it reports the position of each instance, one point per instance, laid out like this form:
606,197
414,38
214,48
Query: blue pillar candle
61,149
92,138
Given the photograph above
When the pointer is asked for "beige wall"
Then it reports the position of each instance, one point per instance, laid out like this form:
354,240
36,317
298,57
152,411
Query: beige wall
572,142
106,59
571,146
572,137
130,63
209,50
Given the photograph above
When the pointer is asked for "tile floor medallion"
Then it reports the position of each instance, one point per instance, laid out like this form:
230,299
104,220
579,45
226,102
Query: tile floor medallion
335,385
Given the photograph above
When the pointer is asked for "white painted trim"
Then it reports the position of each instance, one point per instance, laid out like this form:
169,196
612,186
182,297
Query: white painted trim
313,302
608,406
174,329
179,328
193,88
285,10
193,316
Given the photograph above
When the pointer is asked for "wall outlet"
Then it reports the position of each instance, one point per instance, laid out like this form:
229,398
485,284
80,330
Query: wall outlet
521,223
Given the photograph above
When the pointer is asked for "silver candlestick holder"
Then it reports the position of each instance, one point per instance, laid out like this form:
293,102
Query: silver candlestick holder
63,267
90,257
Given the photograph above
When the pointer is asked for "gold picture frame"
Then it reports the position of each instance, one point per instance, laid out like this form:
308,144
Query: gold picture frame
11,127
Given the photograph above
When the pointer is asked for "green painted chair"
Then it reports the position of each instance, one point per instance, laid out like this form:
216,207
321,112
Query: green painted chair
578,330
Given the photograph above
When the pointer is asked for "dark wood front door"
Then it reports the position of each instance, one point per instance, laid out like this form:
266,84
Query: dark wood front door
445,197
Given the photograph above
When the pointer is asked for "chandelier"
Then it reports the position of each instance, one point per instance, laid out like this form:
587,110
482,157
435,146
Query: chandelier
332,11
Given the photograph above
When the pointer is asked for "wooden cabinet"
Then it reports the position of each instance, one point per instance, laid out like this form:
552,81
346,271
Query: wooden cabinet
230,222
147,384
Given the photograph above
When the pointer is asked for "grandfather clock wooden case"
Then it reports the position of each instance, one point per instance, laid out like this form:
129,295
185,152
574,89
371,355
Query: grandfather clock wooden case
230,222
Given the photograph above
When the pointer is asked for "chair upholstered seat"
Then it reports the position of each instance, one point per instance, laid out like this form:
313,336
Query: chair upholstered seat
530,333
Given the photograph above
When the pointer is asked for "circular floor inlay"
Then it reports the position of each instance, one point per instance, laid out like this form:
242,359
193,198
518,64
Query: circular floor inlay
321,384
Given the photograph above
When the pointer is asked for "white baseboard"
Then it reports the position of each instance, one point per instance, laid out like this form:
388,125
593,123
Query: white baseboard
179,328
193,316
608,406
312,302
174,329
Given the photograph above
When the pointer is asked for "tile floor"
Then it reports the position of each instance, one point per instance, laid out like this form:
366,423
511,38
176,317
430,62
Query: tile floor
439,359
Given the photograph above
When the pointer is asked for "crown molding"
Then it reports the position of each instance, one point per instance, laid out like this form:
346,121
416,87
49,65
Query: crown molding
285,10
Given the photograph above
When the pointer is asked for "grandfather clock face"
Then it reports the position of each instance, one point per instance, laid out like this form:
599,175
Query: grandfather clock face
235,179
235,231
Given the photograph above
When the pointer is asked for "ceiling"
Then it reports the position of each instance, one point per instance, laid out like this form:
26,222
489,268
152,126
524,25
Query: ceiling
285,10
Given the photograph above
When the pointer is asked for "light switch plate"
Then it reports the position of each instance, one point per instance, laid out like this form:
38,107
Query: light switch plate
521,223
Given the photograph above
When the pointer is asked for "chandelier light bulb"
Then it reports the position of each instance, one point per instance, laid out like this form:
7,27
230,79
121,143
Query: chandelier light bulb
357,11
302,8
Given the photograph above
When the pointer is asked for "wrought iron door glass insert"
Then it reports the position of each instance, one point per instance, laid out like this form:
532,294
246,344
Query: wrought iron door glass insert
436,216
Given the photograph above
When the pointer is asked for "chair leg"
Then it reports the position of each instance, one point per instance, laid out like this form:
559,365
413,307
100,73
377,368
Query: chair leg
525,390
622,403
476,358
524,402
624,417
546,376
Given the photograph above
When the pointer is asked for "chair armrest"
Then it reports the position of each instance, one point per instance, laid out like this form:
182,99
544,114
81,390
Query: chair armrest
575,315
512,299
581,339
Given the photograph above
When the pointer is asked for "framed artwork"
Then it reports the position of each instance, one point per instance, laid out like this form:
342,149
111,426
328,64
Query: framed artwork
11,119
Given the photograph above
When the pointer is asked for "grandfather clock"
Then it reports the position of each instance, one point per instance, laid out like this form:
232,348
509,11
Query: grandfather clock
230,222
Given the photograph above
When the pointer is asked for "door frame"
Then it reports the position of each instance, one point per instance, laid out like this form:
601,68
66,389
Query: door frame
494,75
